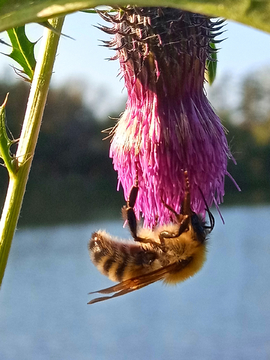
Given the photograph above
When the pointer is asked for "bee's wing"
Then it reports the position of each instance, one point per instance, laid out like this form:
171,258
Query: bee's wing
135,283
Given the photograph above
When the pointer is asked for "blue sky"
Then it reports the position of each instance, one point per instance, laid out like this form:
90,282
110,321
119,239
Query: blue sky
83,59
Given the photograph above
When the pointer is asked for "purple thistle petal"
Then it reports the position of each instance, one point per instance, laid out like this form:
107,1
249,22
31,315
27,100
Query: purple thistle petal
168,125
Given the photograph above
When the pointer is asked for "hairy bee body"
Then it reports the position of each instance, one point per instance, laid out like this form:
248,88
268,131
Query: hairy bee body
170,253
120,260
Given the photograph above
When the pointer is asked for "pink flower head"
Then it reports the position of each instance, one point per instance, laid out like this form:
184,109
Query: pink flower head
168,125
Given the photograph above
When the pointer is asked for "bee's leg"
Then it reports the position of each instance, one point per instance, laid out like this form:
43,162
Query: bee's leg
129,215
128,210
183,218
185,206
155,223
168,235
179,217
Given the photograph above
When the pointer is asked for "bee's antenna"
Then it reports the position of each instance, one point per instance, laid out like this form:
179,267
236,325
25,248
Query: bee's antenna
211,216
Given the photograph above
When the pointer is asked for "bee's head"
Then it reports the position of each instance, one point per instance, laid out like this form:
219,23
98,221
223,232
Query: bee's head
199,226
208,228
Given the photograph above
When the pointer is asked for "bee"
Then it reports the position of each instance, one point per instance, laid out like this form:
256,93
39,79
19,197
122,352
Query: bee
171,253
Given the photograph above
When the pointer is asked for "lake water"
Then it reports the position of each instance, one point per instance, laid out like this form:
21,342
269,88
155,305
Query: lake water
221,313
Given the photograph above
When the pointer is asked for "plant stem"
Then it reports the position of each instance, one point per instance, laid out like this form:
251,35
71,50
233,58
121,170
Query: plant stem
28,139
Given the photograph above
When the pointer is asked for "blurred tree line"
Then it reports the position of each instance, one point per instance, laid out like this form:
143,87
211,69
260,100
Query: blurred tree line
247,120
72,178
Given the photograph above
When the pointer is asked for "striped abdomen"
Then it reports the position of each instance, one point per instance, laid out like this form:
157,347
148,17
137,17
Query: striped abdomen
121,260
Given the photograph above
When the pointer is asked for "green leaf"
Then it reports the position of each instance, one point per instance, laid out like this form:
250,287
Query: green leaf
22,50
15,13
5,141
211,66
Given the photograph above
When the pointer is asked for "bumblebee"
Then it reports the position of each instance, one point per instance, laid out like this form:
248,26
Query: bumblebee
171,253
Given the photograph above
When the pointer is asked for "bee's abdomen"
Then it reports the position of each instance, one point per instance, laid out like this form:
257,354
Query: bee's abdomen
119,260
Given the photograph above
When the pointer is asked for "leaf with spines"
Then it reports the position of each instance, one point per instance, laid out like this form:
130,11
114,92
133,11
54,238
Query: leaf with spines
5,141
211,65
22,51
3,42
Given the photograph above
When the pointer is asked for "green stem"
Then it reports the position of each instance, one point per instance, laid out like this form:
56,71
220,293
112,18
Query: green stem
29,135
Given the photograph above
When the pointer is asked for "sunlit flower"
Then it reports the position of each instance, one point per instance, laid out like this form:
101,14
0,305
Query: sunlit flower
168,125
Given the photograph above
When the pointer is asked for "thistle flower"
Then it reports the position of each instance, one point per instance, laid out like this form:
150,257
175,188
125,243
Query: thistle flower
168,124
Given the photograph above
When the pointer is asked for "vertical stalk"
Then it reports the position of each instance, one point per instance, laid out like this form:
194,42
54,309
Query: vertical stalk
28,139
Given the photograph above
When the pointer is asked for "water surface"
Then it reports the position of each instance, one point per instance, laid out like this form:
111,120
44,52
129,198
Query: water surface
221,313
